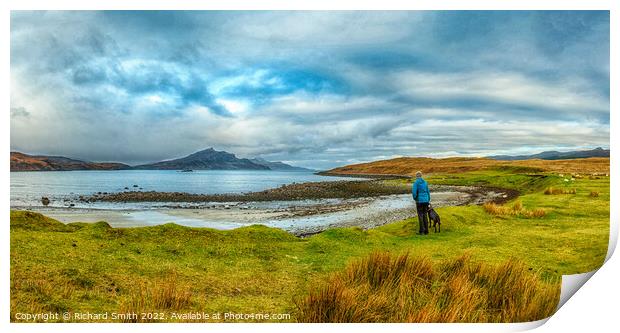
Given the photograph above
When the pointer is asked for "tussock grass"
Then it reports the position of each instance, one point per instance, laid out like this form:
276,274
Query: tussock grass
400,288
535,213
555,191
594,194
517,206
45,296
516,209
164,294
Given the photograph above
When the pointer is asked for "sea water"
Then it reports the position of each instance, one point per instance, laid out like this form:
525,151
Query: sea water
27,188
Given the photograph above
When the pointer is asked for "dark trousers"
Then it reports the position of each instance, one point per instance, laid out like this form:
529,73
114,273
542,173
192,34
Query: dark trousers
422,209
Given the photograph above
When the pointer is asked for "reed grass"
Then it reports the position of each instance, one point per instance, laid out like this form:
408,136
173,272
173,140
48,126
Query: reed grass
555,191
401,288
516,209
163,294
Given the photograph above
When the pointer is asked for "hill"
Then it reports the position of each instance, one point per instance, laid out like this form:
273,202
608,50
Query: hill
25,162
277,165
409,165
556,155
208,159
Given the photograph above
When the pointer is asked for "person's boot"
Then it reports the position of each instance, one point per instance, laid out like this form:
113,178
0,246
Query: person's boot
421,231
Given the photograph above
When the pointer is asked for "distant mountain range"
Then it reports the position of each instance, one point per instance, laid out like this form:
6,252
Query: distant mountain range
556,155
211,159
24,162
277,165
208,159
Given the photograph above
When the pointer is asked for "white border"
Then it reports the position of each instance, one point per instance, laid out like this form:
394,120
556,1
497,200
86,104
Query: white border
596,309
316,4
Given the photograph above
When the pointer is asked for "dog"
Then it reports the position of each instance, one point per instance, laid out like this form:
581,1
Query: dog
434,217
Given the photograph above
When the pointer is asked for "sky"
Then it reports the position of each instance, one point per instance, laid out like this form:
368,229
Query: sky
314,89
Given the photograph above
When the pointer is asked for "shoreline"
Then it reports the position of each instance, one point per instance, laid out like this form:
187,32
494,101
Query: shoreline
302,218
377,176
339,189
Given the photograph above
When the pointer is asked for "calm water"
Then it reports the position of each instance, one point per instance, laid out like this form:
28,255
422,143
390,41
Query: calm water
27,188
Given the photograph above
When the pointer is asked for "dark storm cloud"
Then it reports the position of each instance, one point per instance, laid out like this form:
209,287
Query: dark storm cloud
314,88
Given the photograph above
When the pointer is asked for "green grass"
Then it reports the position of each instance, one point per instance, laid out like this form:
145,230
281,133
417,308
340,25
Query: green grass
256,269
522,179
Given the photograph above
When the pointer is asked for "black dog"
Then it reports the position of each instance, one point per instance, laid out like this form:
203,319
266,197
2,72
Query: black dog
434,217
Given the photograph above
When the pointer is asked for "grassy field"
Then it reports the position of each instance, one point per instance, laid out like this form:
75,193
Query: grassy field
453,165
83,267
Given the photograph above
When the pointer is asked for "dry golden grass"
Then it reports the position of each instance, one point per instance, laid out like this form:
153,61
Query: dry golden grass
583,166
409,165
535,213
164,294
388,288
555,191
516,209
594,194
517,206
495,209
49,297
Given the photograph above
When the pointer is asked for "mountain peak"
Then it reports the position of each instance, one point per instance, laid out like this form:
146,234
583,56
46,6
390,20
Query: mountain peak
207,151
206,159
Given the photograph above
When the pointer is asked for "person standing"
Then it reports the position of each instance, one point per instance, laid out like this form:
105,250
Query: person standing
422,197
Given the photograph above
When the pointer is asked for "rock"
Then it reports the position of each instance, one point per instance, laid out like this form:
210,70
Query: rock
126,187
134,185
45,201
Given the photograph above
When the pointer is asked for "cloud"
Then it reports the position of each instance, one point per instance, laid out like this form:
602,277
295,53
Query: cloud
19,112
318,89
504,88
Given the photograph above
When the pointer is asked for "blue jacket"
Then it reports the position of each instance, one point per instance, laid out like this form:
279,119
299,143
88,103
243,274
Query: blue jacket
420,191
